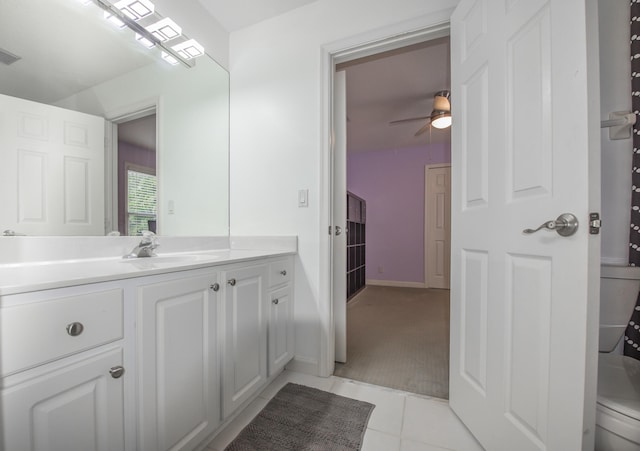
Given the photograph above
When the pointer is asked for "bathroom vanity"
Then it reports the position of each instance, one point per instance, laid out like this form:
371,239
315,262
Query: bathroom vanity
143,354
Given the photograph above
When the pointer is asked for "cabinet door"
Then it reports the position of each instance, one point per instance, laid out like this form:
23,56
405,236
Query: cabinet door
280,329
245,336
177,363
75,407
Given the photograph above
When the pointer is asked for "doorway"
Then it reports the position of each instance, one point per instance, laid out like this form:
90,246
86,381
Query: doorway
137,176
389,97
131,171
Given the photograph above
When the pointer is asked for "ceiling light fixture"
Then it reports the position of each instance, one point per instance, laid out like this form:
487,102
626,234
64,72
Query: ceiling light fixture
115,20
441,114
144,41
165,29
169,58
136,9
189,49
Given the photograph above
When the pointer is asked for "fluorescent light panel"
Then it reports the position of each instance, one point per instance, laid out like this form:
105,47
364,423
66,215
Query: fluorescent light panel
136,9
115,20
144,41
169,58
165,30
189,49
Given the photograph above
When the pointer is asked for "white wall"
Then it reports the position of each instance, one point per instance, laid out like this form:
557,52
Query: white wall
615,73
193,124
198,24
277,125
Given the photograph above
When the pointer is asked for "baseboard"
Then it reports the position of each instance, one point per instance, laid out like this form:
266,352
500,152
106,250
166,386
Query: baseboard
393,283
304,365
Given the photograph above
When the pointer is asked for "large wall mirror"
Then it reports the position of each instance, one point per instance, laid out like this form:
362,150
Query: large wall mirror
99,134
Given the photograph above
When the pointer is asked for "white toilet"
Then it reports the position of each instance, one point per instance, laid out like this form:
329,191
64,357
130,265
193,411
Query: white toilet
618,407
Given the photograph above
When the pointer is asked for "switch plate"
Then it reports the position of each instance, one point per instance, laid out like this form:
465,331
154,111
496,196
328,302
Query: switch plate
303,198
171,207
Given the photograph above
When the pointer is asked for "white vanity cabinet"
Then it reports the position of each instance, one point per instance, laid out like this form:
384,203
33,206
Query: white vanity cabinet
62,365
178,371
150,362
244,335
280,325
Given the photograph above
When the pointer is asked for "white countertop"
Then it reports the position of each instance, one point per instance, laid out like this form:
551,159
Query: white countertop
35,276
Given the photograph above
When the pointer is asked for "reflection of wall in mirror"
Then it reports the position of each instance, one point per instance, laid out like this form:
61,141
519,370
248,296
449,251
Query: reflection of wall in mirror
193,138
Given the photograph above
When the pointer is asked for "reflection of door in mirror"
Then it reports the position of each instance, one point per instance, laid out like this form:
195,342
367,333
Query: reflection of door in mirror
52,170
137,183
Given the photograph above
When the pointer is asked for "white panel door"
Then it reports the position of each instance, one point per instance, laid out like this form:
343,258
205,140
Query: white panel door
178,362
52,171
521,156
339,230
437,222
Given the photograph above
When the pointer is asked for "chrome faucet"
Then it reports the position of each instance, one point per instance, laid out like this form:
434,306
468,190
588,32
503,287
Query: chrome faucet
146,246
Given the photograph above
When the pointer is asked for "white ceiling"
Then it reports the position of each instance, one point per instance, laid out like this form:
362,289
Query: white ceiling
65,47
236,14
397,86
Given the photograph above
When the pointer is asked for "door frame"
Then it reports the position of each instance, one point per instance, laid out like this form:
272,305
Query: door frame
426,230
112,120
395,36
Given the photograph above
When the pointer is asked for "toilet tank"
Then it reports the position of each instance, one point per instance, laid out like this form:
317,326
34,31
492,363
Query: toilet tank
619,286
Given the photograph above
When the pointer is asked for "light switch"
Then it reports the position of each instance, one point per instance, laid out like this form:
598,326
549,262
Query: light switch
303,198
171,208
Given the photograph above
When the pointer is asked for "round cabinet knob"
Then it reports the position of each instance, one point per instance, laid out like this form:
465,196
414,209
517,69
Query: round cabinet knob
215,286
116,371
74,329
275,301
283,272
232,282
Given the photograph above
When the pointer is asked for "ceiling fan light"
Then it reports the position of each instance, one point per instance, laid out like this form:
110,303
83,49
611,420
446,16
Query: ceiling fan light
441,120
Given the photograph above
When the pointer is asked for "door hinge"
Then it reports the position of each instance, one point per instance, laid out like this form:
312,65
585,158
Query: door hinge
594,223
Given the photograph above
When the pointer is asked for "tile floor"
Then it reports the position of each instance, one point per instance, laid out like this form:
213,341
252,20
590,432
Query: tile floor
400,421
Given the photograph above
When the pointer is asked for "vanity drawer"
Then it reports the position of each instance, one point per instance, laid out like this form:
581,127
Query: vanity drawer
280,272
38,332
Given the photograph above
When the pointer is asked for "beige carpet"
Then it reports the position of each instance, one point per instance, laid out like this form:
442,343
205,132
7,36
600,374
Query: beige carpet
399,338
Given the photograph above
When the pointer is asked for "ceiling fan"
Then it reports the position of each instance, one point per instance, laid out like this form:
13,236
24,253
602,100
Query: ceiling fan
440,117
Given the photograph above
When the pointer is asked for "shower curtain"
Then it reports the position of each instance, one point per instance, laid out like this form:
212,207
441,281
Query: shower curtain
632,334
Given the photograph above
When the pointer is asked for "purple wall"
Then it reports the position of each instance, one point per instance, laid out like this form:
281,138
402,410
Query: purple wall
392,183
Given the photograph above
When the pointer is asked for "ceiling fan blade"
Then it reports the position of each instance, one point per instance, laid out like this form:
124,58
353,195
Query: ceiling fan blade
411,119
424,128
